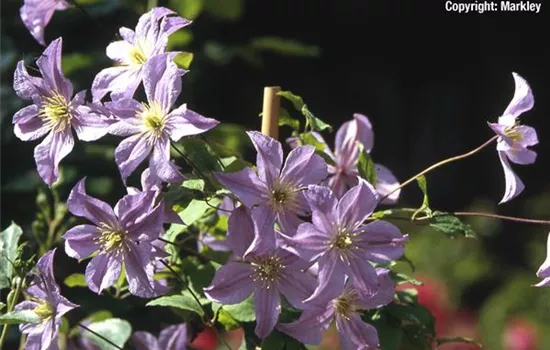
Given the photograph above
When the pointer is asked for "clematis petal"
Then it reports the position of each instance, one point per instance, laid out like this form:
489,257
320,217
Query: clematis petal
523,99
303,167
103,271
514,186
385,183
49,336
345,143
383,295
311,325
381,241
126,109
231,284
119,51
331,281
130,153
521,156
26,86
49,64
264,232
267,305
139,270
528,135
121,81
240,231
162,81
173,337
363,275
185,122
356,205
81,241
48,154
36,15
358,334
544,269
309,242
144,341
323,205
28,126
245,185
269,158
297,286
160,164
89,126
80,204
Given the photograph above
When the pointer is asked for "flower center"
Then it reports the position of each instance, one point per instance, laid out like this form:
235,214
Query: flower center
55,112
44,310
342,241
267,270
513,133
139,52
345,304
282,198
152,117
111,239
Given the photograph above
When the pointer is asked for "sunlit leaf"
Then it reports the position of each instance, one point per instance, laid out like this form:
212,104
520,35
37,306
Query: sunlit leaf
9,239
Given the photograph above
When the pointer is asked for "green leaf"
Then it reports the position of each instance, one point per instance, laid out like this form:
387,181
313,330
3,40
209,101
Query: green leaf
116,330
401,278
421,180
189,9
244,311
2,306
315,123
366,166
445,340
9,239
415,314
184,60
286,119
196,210
97,316
184,302
450,225
194,184
296,100
228,322
75,280
199,153
224,9
274,341
286,47
17,317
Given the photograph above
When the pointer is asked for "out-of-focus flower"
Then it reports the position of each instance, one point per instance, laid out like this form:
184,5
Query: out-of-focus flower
47,303
544,269
521,334
149,127
341,243
514,139
278,193
173,337
135,50
353,332
264,270
36,14
122,236
54,112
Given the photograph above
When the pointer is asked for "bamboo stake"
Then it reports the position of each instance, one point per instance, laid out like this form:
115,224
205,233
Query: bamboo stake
270,112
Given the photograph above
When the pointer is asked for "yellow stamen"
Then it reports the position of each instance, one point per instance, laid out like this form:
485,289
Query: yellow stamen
55,112
268,271
44,310
153,118
111,239
345,304
139,53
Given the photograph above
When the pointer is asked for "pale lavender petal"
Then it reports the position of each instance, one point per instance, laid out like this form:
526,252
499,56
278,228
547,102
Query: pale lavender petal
331,278
240,231
48,154
28,126
385,183
297,286
34,341
528,135
514,186
36,14
144,341
103,271
246,185
544,283
139,269
162,81
130,153
381,241
269,158
364,133
174,23
310,242
303,167
64,306
311,325
544,269
173,337
89,126
49,64
81,241
160,164
521,156
126,109
127,34
215,243
289,223
342,181
49,336
264,238
124,129
523,98
80,204
267,305
323,205
122,81
26,86
362,274
345,144
26,305
185,122
231,284
383,295
359,335
357,205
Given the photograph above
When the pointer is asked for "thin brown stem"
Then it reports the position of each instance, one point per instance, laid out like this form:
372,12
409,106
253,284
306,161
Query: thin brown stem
503,217
99,336
190,251
437,165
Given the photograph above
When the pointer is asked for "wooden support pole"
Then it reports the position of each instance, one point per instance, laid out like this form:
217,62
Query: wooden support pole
270,112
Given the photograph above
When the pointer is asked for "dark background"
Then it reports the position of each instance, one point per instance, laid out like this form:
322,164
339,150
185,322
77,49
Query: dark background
427,79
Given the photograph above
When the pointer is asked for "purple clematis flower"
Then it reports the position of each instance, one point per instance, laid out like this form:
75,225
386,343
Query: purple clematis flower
171,338
344,174
122,236
47,303
263,270
135,50
544,270
514,139
36,14
54,112
277,192
353,332
151,126
341,243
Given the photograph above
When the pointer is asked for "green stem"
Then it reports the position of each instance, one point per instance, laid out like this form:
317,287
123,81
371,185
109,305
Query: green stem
11,305
151,4
437,165
100,336
503,217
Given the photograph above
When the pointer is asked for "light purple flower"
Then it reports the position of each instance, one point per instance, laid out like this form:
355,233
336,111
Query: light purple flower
122,236
53,112
36,14
149,127
278,192
135,50
344,174
170,338
544,269
514,139
263,270
344,310
47,303
341,243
